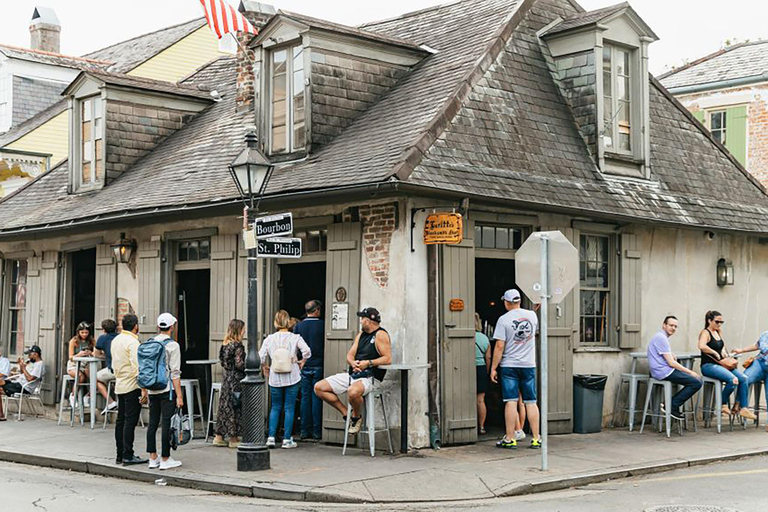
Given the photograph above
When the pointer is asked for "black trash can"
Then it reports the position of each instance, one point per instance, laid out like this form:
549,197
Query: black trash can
588,391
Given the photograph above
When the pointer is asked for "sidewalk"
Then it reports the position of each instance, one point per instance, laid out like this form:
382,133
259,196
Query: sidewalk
319,473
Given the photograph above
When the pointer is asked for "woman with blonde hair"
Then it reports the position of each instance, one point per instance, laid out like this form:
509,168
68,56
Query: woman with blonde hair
284,375
232,357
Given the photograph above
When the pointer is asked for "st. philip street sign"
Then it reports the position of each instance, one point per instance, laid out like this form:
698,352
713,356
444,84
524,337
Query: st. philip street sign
273,226
279,248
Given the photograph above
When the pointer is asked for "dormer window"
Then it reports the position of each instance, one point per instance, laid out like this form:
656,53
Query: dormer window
617,98
288,128
91,141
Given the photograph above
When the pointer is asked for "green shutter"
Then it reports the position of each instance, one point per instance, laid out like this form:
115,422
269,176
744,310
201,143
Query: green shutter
736,132
699,114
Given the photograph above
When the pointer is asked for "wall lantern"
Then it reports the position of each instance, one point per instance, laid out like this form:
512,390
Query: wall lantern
724,272
123,249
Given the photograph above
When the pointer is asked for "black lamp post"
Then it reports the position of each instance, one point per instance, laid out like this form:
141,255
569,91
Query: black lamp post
251,171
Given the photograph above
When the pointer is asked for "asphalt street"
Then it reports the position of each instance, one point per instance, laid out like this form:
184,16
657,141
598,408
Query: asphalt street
737,485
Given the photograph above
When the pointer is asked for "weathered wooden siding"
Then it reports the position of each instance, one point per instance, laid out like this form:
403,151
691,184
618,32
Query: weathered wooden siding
106,285
224,292
50,137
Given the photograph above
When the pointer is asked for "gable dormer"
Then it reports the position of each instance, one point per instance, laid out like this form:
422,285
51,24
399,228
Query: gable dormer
601,63
115,119
313,78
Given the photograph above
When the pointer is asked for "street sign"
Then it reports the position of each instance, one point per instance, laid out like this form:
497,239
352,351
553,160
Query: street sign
273,226
563,266
279,248
443,228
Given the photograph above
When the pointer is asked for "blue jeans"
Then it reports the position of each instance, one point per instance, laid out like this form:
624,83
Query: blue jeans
690,385
758,371
283,397
715,371
311,405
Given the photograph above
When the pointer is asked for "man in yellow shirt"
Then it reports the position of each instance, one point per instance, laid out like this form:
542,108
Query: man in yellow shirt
125,364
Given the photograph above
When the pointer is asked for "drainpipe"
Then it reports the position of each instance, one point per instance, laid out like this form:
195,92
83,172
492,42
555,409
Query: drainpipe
723,84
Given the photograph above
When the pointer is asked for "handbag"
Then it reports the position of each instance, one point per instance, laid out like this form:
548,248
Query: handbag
748,361
181,429
237,399
729,363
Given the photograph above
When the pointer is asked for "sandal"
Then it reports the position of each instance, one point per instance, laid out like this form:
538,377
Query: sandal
482,431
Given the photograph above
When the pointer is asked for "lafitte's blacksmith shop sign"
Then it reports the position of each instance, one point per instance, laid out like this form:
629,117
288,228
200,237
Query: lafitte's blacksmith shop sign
443,228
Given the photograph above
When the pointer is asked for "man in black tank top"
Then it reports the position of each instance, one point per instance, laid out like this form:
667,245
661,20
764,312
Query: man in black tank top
372,349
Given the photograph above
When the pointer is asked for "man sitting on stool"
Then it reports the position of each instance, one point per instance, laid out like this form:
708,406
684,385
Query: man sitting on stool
372,348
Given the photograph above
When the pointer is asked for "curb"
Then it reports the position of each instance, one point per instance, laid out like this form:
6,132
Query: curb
291,492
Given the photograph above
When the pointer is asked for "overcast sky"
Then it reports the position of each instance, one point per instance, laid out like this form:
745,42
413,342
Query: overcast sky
688,29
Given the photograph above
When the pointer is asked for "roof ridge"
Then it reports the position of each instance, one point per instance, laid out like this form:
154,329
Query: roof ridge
710,56
54,54
415,153
200,19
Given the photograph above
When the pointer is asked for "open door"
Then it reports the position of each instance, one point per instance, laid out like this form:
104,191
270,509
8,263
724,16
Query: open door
457,347
343,271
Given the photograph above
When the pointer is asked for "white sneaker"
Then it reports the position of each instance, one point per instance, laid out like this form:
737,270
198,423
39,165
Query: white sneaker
355,424
154,464
270,442
170,463
71,401
86,401
289,443
112,406
519,435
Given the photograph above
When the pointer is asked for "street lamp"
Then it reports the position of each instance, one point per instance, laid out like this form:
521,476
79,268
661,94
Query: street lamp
251,171
123,249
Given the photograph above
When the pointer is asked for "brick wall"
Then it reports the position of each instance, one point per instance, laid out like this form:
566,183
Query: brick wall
134,130
246,56
342,89
378,226
577,77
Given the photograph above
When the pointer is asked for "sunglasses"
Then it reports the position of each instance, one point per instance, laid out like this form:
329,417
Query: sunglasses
719,322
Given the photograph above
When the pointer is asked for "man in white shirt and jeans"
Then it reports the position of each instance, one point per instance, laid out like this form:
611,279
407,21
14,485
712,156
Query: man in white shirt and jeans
515,361
163,403
29,378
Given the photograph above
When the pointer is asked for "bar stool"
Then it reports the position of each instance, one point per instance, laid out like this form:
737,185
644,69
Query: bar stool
632,380
755,391
715,386
370,420
110,388
665,387
67,381
215,388
190,388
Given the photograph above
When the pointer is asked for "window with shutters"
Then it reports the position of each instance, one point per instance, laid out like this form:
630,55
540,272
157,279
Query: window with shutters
90,142
15,297
597,260
617,99
728,126
287,127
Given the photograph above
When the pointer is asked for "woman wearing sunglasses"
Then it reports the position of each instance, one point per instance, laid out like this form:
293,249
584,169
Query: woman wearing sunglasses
717,364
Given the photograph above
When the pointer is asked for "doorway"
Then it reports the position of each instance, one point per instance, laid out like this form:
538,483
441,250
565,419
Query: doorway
193,295
83,303
492,278
299,283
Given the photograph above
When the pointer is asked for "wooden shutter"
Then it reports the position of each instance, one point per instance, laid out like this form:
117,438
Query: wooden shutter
700,115
241,299
631,292
343,270
458,378
106,285
562,336
736,132
223,299
149,275
32,306
49,293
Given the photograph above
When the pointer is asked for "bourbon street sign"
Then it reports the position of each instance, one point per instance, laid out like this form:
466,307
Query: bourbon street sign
443,228
273,226
279,248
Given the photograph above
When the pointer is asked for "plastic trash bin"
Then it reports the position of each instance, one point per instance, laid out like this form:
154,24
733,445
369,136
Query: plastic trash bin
588,391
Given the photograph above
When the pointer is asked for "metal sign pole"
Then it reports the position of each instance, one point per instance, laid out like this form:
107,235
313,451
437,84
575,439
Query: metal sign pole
544,349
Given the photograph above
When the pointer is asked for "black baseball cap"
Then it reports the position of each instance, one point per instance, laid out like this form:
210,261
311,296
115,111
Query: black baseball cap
35,349
371,314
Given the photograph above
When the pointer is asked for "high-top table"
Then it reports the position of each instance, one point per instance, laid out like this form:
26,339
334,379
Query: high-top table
93,366
404,368
686,359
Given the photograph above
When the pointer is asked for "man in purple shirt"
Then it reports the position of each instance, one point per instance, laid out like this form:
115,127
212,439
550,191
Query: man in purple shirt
664,366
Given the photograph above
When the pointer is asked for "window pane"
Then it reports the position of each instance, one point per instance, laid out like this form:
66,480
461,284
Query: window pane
205,250
97,108
86,173
622,62
279,62
183,256
607,58
86,110
623,88
502,238
194,255
624,142
587,330
278,88
716,121
86,133
588,298
517,238
489,237
97,128
478,236
278,139
99,163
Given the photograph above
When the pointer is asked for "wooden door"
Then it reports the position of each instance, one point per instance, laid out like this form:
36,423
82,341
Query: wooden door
343,271
223,298
150,286
106,286
457,348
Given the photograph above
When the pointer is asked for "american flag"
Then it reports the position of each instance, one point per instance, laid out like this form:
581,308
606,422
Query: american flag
224,19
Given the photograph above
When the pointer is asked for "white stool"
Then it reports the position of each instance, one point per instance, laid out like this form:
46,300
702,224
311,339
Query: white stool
215,387
67,381
666,388
755,391
110,387
370,420
190,388
707,409
633,381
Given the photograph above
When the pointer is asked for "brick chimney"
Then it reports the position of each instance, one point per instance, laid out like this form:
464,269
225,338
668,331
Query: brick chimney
45,30
258,14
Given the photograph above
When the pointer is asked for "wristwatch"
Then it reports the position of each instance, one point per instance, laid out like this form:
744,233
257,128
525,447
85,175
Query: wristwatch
370,363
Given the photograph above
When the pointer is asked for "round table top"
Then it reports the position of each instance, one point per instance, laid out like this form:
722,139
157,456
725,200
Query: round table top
405,366
89,359
203,361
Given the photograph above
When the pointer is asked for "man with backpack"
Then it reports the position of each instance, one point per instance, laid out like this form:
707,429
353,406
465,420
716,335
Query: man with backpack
160,373
129,395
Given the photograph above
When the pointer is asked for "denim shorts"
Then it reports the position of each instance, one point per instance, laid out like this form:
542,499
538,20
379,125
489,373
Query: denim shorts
518,380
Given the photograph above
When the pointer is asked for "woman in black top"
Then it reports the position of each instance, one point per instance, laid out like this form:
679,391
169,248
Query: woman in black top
714,362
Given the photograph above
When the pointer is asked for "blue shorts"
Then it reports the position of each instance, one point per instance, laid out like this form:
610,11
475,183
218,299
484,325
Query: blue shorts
518,380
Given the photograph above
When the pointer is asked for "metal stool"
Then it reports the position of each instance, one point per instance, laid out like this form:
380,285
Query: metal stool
716,396
215,387
190,388
67,381
755,391
664,386
633,380
370,420
110,387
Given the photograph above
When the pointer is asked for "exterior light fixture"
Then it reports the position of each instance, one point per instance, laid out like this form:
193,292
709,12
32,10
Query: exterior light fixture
251,170
123,249
724,272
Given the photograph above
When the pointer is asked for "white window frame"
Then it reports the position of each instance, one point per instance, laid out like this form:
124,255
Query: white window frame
8,310
723,124
290,123
612,130
611,339
79,185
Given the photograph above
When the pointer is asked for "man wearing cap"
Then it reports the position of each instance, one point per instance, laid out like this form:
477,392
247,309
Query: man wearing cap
372,348
29,377
515,361
125,365
163,403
